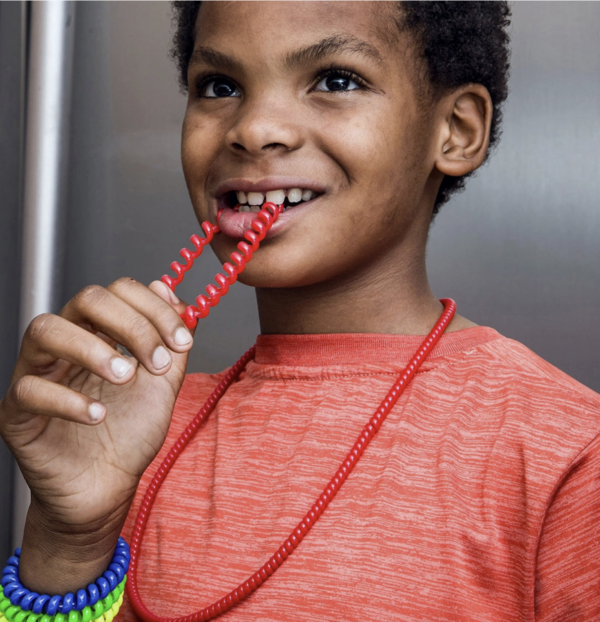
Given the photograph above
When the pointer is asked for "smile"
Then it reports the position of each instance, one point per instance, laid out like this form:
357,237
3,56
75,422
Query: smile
241,201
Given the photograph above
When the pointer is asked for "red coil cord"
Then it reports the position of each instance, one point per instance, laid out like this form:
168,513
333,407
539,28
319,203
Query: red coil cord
289,545
260,226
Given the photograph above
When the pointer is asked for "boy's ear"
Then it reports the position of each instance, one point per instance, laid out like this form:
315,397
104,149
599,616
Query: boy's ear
464,130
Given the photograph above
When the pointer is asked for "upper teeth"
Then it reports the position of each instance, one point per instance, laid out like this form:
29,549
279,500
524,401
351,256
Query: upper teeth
294,195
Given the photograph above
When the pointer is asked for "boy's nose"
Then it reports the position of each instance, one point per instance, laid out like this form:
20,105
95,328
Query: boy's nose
264,127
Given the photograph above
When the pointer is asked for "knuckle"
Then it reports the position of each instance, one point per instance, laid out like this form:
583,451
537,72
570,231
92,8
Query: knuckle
39,327
90,295
122,284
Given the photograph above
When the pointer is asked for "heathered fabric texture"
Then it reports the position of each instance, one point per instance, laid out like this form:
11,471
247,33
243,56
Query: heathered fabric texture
477,501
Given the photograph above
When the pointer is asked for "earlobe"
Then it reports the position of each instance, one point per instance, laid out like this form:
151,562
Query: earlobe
465,135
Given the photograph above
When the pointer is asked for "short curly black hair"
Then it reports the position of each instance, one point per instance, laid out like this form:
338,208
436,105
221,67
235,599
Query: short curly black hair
459,43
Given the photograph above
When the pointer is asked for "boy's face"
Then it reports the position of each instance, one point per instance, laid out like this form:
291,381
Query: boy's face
319,96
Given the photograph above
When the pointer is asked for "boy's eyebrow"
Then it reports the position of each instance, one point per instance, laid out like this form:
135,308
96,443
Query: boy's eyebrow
311,53
214,58
332,45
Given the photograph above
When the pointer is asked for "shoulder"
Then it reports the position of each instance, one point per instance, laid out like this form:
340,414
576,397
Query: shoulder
533,418
529,368
533,387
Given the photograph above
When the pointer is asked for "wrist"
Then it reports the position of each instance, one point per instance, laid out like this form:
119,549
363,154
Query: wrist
56,558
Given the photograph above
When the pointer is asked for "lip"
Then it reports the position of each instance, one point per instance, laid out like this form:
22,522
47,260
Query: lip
234,224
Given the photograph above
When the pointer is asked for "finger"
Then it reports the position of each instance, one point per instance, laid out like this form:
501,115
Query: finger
114,317
159,308
165,292
32,395
50,338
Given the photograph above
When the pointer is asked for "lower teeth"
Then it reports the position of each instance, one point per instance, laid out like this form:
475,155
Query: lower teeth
256,208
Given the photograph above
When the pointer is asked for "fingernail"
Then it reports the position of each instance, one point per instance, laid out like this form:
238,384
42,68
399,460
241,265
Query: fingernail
182,337
120,367
160,358
96,412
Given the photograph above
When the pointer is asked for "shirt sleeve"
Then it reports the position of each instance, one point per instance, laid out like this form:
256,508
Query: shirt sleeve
567,586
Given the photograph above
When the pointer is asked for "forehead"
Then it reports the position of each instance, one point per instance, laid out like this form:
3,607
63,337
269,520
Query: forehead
275,26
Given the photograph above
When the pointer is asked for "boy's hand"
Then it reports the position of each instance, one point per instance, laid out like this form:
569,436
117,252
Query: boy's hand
84,421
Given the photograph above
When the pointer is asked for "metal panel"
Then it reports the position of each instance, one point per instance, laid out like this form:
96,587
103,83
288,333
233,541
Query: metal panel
12,79
46,157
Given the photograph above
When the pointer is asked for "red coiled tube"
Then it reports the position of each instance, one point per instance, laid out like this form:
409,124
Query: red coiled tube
255,235
311,517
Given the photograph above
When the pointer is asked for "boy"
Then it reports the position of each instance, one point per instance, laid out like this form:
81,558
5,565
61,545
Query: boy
478,498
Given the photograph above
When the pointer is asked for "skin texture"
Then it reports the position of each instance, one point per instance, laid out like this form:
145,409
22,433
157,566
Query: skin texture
353,260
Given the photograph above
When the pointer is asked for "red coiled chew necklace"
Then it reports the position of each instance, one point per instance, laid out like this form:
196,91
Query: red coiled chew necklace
263,222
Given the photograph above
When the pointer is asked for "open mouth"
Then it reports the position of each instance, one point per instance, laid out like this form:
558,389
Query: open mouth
241,201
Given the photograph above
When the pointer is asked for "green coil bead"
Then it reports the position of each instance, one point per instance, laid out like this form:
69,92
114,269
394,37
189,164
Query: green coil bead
86,614
4,605
33,617
46,618
61,617
74,616
107,602
97,610
21,615
11,612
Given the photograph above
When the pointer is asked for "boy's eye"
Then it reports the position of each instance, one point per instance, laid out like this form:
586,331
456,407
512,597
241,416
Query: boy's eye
337,81
218,87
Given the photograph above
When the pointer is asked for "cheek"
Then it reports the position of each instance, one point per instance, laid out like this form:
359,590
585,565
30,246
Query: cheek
199,145
375,147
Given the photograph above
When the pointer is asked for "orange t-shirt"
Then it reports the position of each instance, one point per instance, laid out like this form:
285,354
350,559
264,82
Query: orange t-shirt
478,500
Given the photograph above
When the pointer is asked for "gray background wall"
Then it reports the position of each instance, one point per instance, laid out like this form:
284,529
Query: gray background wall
519,250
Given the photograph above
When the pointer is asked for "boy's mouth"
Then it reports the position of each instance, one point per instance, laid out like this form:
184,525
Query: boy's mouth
241,201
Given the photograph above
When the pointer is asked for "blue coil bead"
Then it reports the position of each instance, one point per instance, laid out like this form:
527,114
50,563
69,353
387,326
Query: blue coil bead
39,603
103,586
10,585
53,605
16,595
122,561
68,602
10,588
94,594
111,577
82,600
118,571
19,604
27,601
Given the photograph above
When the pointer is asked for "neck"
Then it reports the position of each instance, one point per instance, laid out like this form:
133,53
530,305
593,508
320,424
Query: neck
391,299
